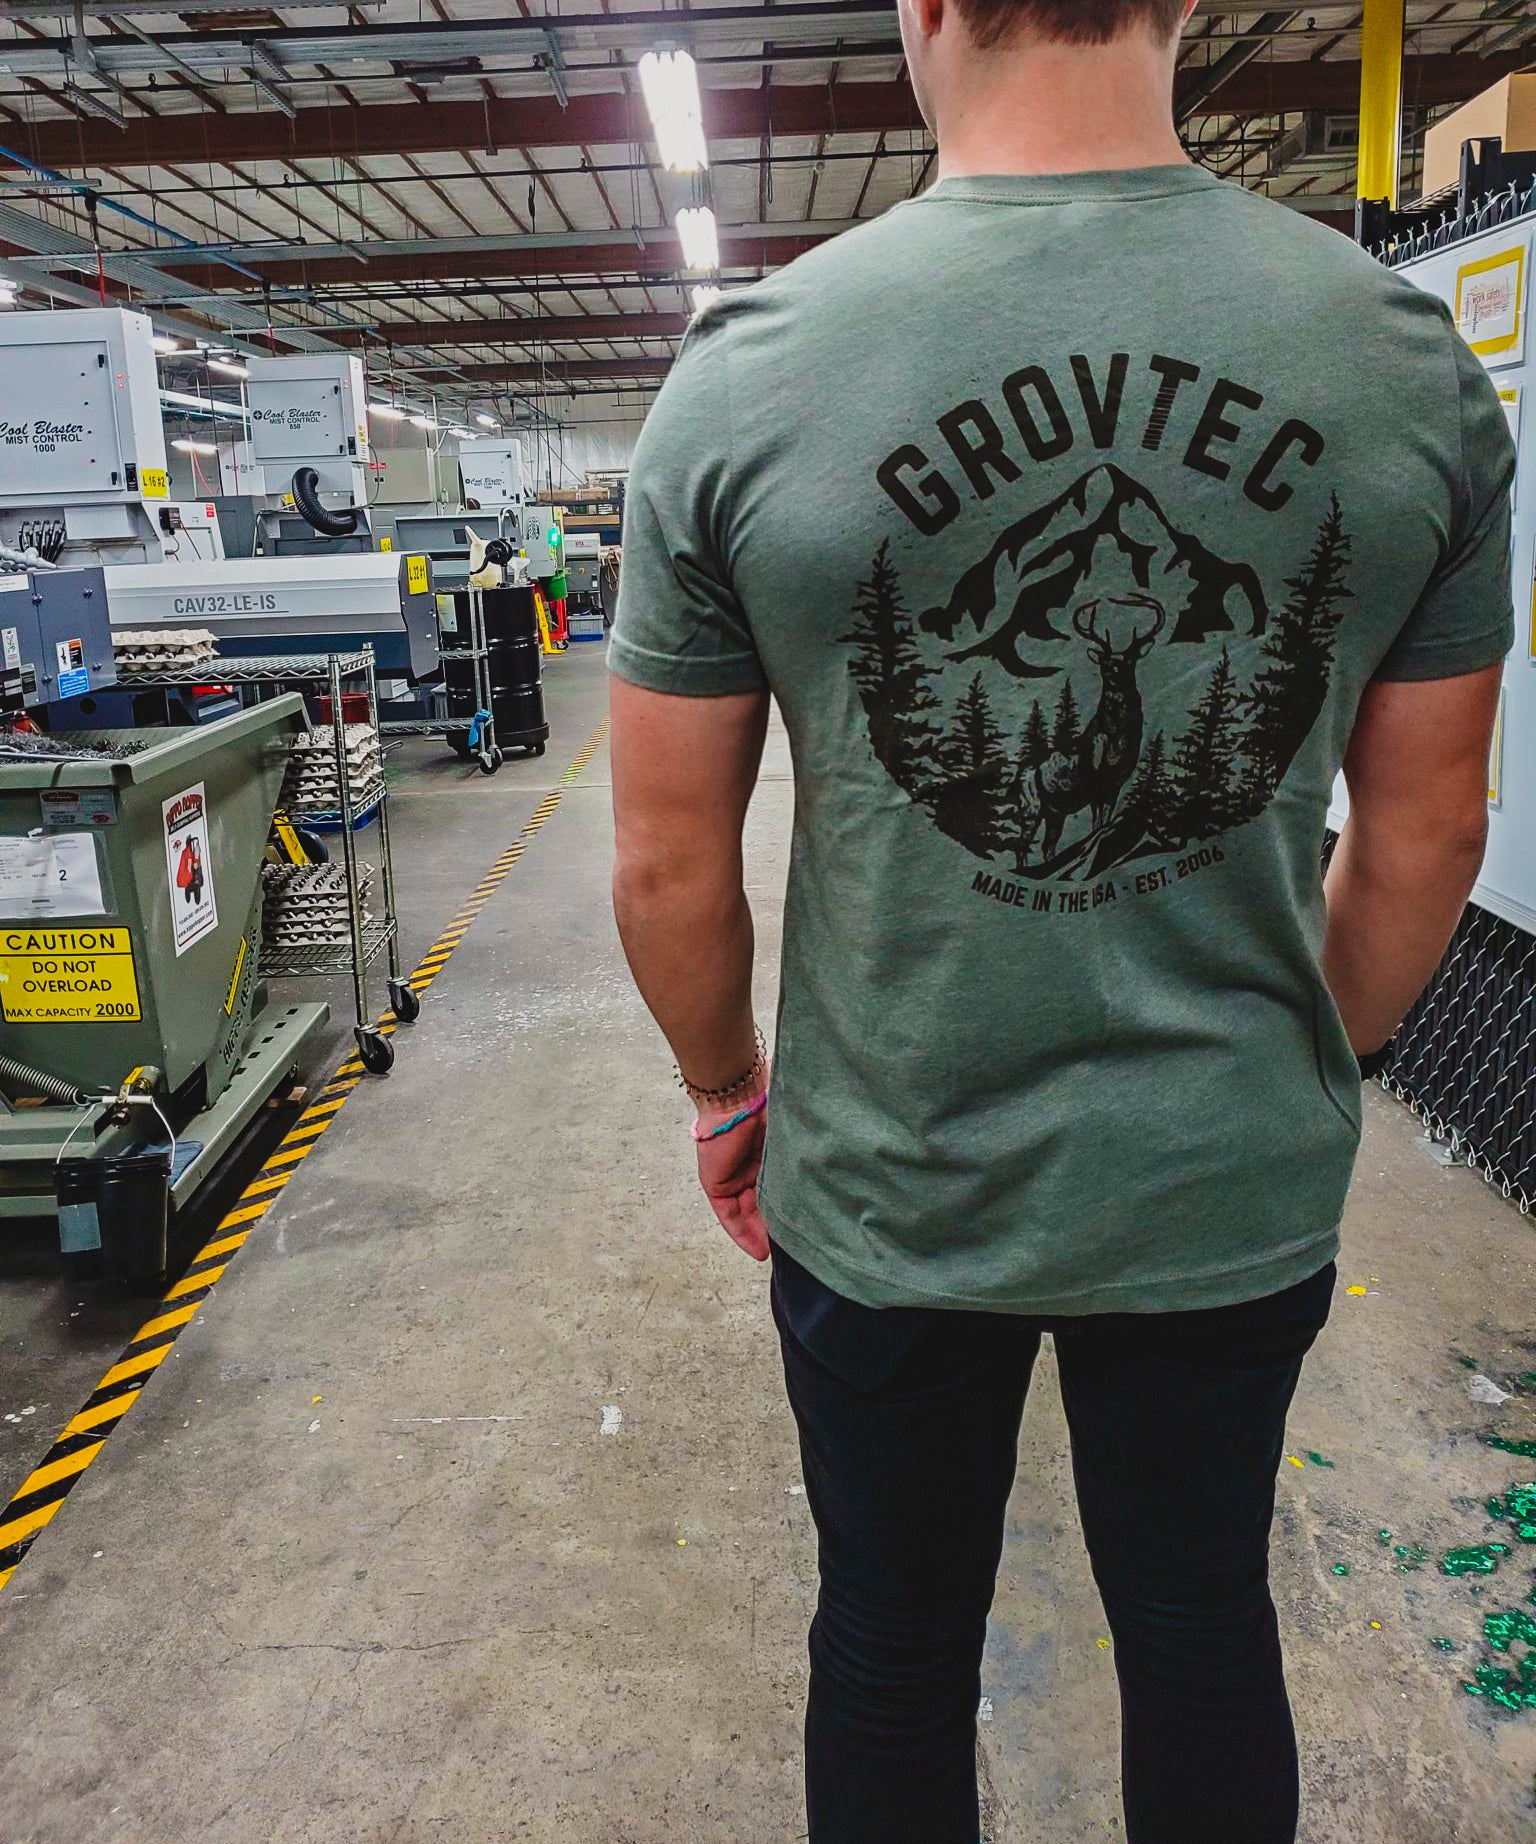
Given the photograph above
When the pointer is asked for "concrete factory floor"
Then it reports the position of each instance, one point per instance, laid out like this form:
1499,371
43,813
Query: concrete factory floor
468,1508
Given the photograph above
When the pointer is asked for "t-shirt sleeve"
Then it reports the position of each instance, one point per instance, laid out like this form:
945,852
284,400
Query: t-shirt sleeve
1465,619
680,625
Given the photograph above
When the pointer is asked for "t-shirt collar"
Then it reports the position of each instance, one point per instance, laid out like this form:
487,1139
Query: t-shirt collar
1066,188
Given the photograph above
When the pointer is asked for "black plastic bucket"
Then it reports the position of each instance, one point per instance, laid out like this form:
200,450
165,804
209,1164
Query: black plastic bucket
130,1195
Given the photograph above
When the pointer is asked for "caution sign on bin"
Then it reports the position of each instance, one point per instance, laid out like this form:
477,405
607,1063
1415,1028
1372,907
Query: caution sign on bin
67,976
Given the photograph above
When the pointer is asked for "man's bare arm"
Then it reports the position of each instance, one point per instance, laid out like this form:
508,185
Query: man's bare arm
683,772
1417,772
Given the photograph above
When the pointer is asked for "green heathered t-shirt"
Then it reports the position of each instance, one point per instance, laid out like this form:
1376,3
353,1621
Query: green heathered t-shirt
1066,519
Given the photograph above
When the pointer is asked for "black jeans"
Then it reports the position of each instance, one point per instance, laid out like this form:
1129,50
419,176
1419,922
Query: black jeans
909,1422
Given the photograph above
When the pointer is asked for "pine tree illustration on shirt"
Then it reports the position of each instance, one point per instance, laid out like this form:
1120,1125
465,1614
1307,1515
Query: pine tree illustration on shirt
1109,770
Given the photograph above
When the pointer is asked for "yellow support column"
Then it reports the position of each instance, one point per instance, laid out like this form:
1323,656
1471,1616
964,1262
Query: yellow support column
1381,99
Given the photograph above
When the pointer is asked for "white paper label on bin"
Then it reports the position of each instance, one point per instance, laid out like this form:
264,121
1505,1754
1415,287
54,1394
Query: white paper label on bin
55,874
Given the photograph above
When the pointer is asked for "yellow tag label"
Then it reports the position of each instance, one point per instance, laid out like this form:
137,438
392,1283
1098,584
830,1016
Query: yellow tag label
386,543
234,978
155,483
288,839
416,575
288,501
67,975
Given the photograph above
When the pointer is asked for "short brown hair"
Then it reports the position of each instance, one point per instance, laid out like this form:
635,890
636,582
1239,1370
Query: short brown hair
1073,22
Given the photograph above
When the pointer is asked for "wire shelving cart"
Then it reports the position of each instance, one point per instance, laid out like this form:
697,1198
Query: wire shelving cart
367,937
479,729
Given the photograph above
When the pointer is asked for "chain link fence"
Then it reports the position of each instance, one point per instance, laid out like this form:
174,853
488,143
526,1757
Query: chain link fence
1465,1058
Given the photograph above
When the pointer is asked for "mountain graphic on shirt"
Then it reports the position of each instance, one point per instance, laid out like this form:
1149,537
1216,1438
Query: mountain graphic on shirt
1105,533
1143,748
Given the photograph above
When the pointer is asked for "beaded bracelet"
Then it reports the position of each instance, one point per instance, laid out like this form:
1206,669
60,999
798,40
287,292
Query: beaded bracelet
731,1091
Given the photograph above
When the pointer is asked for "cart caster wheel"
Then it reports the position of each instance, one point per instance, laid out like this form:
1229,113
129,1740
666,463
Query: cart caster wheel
490,761
377,1052
538,749
405,1000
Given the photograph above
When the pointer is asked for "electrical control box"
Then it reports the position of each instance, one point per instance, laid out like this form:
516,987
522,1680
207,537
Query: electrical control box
192,532
583,569
495,479
544,540
55,638
309,411
80,412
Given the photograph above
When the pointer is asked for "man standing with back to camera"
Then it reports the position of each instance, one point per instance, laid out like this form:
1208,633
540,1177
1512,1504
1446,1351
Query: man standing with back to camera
1084,516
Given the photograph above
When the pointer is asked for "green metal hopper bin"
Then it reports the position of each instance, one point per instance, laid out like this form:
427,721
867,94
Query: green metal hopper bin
130,928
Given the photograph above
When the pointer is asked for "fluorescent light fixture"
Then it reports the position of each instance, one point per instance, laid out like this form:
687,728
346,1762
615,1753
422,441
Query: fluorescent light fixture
699,235
486,422
422,422
189,447
390,410
705,294
670,80
230,366
163,345
463,434
184,400
7,296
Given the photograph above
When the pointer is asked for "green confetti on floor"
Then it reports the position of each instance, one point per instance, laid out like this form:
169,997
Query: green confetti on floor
1476,1559
1502,1630
1318,1460
1510,1690
1467,1363
1410,1557
1443,1645
1518,1507
1384,1538
1525,1450
1341,1568
1529,1379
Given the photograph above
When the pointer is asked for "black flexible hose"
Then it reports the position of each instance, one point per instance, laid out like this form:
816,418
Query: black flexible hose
341,523
39,1082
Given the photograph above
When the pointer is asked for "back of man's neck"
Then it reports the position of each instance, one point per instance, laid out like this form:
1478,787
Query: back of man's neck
1055,110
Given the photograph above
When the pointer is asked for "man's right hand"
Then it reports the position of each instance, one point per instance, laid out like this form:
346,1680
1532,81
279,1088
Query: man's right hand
728,1169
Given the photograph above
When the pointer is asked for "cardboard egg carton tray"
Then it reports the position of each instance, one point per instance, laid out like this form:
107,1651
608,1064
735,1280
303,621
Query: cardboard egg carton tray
151,649
306,905
360,742
301,797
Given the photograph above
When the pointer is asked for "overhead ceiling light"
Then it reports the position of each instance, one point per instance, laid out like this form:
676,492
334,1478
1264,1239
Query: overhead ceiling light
165,346
486,422
670,80
699,235
391,410
189,447
422,422
456,430
230,366
7,295
705,294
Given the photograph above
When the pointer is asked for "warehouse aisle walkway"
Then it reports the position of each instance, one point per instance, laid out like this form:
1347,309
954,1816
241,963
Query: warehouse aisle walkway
468,1508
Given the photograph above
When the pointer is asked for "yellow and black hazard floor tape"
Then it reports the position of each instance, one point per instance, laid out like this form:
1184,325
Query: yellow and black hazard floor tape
39,1496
